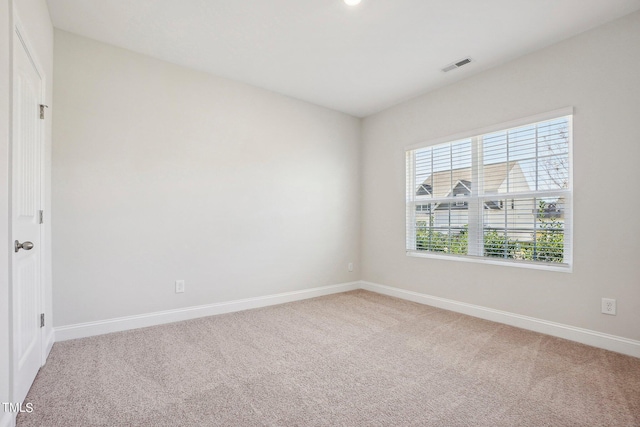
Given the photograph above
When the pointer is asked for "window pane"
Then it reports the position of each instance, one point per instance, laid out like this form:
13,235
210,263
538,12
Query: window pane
495,167
529,229
553,155
441,228
443,168
423,166
528,158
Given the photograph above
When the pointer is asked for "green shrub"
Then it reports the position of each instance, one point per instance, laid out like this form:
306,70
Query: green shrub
546,244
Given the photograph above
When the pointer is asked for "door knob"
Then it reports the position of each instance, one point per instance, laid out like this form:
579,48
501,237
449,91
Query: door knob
27,246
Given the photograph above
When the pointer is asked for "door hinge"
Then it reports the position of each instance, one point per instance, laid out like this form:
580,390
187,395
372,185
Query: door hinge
42,320
41,217
42,107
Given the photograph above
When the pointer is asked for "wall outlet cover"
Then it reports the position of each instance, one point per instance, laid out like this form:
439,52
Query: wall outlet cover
179,286
609,306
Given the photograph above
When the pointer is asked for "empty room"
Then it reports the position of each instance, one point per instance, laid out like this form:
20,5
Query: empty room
319,213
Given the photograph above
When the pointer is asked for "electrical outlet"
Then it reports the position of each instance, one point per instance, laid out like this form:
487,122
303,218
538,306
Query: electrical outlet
350,266
609,306
179,286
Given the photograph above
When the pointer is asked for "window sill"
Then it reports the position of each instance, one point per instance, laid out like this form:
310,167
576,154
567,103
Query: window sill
563,268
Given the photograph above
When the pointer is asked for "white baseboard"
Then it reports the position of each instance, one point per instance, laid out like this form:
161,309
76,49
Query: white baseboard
7,419
585,336
83,330
48,344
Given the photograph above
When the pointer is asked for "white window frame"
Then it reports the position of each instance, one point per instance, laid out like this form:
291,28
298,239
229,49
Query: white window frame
475,229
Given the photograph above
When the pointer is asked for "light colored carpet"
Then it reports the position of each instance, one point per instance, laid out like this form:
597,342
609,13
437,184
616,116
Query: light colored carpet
351,359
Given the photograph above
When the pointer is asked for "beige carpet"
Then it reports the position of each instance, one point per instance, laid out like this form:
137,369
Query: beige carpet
352,359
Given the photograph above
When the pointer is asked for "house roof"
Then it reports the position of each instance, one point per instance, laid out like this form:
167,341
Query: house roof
441,184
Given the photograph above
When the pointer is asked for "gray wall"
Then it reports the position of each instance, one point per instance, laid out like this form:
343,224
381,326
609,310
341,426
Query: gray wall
165,173
597,73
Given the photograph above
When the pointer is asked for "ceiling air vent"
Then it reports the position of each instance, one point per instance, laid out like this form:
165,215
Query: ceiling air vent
455,65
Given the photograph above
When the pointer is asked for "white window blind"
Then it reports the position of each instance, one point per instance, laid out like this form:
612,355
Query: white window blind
502,195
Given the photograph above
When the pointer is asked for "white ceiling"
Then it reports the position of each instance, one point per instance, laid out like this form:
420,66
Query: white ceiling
358,60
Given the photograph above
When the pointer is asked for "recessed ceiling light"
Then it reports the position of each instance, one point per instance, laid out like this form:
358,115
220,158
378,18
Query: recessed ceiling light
352,2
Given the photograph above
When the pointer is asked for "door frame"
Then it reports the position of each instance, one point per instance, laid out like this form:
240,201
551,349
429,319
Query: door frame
19,34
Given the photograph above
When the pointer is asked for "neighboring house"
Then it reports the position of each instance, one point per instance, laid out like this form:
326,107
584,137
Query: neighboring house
516,215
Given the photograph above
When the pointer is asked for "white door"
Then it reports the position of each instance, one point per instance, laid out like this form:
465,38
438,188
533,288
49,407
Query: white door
26,203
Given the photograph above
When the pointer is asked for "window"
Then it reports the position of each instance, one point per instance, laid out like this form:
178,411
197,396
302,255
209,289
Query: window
500,195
